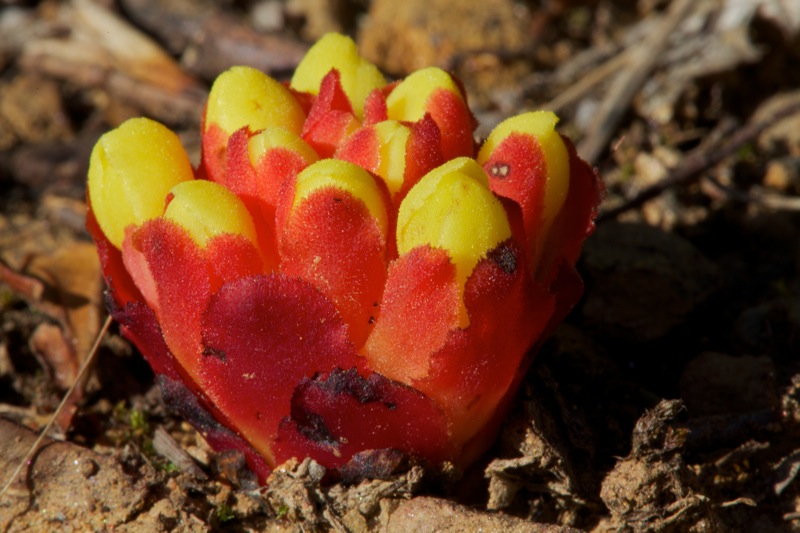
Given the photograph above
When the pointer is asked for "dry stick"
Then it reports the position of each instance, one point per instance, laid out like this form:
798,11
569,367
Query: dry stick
78,379
757,195
628,83
594,77
701,159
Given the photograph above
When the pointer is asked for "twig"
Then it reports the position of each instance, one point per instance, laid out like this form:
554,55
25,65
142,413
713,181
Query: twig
166,447
758,195
78,379
701,159
575,91
742,500
628,83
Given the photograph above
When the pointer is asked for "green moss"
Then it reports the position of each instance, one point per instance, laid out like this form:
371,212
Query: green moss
6,297
225,513
170,468
139,421
134,426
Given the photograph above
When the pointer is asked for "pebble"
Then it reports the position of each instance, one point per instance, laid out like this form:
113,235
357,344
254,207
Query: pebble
267,15
717,383
642,282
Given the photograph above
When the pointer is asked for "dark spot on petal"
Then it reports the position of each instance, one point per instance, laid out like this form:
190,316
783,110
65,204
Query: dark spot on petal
504,257
474,401
341,413
313,427
214,352
182,401
372,320
350,382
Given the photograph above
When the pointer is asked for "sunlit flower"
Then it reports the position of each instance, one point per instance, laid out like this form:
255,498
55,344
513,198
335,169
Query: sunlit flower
347,271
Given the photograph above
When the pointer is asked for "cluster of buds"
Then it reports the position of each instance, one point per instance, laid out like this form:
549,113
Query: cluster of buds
346,272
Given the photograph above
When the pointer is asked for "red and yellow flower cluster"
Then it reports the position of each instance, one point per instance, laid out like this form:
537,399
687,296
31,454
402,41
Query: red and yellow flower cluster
346,272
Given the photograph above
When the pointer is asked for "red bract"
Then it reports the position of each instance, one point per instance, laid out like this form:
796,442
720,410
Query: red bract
346,276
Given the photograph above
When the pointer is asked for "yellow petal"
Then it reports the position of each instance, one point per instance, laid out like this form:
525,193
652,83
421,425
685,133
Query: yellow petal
393,137
542,125
271,138
408,101
207,209
347,177
244,96
452,208
131,170
335,51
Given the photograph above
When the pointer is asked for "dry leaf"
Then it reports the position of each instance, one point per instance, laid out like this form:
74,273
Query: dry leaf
103,50
129,50
66,286
73,275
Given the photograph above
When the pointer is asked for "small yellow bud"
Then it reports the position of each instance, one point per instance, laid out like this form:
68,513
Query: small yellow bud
271,138
207,209
392,138
131,170
540,124
244,96
408,101
335,51
452,208
346,177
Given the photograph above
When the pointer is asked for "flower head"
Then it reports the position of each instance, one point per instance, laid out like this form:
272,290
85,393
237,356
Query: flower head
347,270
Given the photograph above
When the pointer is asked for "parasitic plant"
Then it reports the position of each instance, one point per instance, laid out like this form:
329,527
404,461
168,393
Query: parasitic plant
346,272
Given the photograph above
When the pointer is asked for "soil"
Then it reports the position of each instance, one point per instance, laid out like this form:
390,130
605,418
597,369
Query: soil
668,401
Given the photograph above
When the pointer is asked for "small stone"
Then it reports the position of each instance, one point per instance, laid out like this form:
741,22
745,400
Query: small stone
87,467
321,16
33,108
406,36
164,514
401,37
716,384
267,15
200,455
783,174
642,282
649,170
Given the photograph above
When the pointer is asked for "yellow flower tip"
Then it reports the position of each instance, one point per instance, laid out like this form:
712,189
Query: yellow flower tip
409,100
244,96
131,170
335,51
207,209
272,138
452,208
392,140
347,177
541,125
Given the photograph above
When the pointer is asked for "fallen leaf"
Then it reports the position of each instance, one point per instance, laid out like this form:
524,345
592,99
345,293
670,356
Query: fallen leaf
57,354
66,286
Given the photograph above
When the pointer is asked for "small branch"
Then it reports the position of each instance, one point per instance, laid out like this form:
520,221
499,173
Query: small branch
703,158
577,90
629,82
758,195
